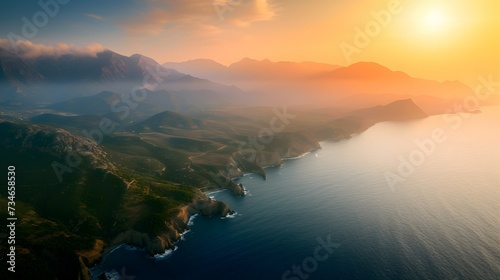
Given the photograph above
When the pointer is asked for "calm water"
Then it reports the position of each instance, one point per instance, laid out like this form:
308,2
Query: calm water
441,222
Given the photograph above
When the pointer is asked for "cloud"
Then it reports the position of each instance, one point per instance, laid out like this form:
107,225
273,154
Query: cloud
27,49
94,16
243,13
191,14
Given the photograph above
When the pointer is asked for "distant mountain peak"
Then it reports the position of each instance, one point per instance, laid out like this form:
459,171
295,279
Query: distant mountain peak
136,55
206,60
399,110
247,59
368,65
140,58
366,70
169,119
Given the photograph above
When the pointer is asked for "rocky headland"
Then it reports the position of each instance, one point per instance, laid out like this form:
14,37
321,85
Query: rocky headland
175,227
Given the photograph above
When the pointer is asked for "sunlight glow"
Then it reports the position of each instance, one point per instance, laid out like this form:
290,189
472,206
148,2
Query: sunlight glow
435,19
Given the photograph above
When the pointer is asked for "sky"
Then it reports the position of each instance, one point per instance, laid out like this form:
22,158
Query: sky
439,39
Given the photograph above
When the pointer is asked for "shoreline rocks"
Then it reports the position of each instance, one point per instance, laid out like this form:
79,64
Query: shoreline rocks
175,227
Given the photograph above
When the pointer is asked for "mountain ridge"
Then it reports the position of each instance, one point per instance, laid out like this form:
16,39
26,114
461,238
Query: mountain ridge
57,78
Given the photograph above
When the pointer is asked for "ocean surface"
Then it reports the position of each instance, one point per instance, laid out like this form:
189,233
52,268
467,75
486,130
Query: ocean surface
333,214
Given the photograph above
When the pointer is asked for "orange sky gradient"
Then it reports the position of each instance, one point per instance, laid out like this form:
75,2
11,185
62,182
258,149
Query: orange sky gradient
463,43
433,39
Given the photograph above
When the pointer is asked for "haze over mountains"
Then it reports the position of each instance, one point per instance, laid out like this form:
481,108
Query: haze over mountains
250,69
51,79
359,85
199,83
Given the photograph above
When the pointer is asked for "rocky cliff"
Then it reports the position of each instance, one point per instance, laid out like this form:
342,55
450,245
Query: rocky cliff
283,146
175,227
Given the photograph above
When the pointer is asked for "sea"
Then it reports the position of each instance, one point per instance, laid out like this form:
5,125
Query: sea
402,200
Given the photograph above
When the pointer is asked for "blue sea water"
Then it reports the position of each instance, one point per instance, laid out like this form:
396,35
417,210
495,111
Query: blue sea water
440,220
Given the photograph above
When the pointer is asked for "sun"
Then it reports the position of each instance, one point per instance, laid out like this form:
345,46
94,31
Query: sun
434,21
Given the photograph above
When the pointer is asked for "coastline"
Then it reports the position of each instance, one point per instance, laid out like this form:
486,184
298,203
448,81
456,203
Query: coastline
172,248
214,188
167,253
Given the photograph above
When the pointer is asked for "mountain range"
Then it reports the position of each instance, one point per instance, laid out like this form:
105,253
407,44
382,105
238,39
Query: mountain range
250,69
189,85
48,79
359,85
